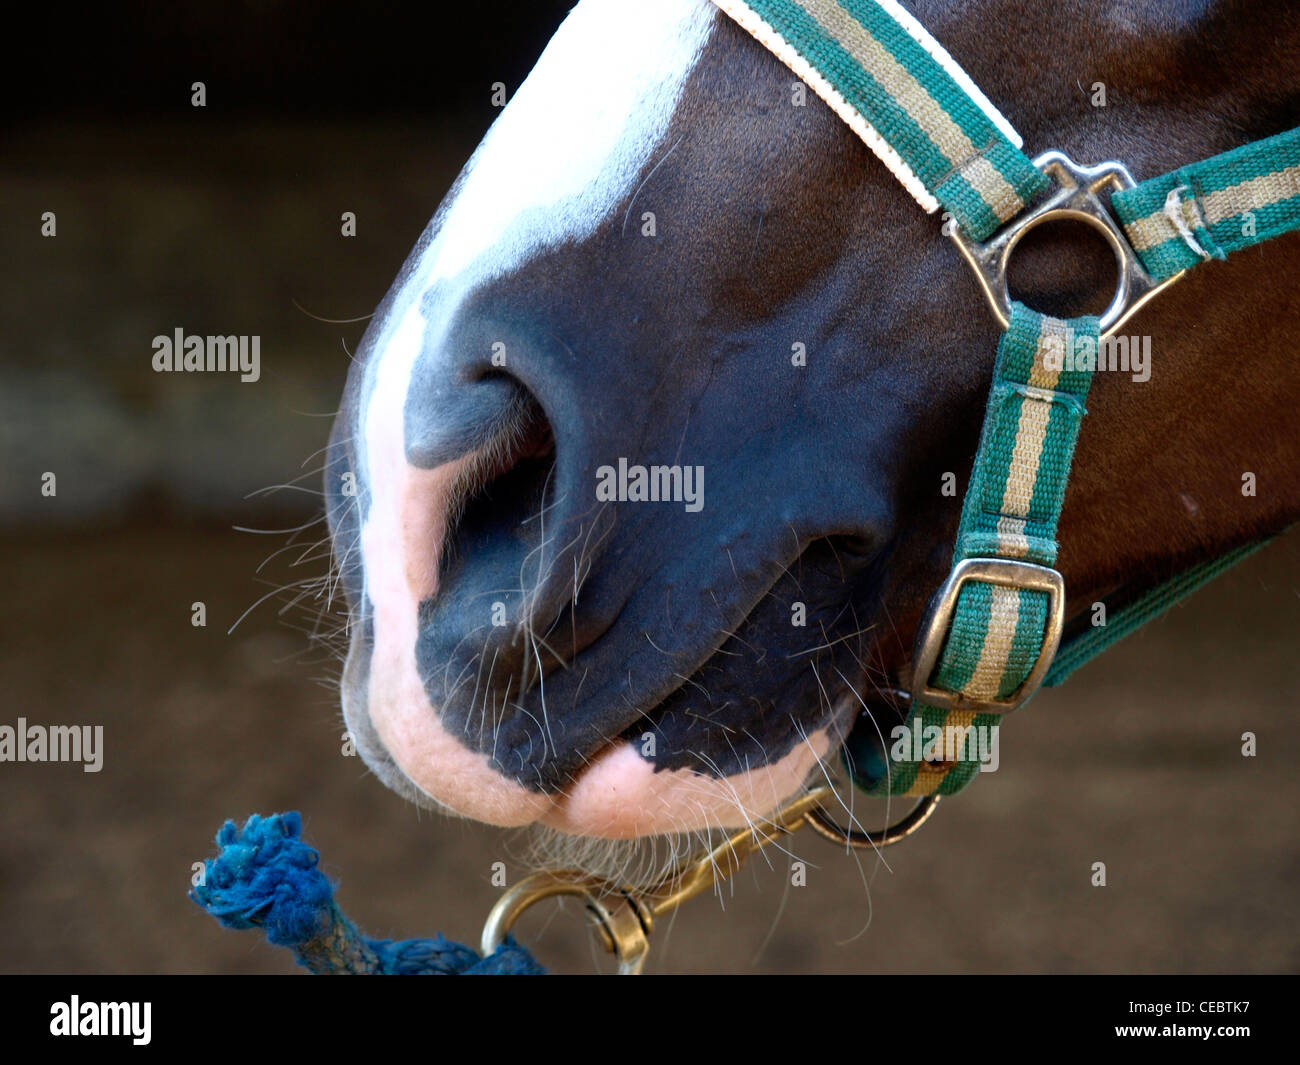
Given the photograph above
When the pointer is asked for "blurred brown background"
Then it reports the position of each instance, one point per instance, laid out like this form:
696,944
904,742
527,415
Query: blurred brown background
226,220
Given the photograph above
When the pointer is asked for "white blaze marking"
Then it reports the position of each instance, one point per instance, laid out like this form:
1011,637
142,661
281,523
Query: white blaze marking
578,133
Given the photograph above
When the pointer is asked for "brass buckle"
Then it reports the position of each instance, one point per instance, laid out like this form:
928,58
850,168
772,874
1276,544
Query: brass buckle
1006,573
1077,195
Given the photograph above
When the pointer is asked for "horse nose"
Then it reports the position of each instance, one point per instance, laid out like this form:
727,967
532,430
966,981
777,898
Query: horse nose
483,529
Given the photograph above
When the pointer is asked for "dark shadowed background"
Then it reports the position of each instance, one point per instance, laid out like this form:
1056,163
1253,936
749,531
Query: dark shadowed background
226,219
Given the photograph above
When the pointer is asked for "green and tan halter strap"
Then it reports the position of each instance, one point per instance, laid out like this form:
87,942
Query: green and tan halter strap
904,96
1224,204
991,637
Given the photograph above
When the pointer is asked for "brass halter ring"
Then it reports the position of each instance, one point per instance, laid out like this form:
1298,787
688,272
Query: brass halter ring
825,826
1076,197
625,916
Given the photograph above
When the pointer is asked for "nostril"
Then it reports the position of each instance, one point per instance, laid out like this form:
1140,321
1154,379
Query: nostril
523,438
855,548
532,437
482,639
498,521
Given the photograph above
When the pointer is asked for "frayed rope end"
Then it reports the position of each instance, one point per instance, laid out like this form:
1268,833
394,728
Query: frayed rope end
266,876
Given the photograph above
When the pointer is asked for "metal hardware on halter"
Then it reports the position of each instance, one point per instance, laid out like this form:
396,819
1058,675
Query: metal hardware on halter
1076,196
625,917
822,823
933,631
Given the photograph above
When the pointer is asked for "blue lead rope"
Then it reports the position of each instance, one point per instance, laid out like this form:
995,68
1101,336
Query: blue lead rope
266,876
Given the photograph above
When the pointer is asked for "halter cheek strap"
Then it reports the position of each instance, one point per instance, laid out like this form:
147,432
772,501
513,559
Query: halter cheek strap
992,633
994,626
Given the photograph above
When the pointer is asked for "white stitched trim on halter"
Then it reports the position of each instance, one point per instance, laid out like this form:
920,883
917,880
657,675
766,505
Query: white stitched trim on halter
756,27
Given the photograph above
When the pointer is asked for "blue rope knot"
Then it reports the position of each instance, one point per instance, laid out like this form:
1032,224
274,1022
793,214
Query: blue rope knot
266,876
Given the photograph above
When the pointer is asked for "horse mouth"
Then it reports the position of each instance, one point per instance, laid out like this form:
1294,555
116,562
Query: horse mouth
616,794
517,723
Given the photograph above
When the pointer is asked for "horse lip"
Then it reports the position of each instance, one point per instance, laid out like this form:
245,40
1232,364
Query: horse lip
621,796
615,794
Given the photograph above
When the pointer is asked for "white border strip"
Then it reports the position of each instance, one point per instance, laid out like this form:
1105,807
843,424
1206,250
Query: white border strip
769,39
940,55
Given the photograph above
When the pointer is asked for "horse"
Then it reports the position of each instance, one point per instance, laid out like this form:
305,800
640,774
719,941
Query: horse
645,465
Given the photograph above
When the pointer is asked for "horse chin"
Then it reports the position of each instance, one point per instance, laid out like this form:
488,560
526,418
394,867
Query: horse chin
619,795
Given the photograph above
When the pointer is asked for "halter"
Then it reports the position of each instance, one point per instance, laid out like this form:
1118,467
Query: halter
992,634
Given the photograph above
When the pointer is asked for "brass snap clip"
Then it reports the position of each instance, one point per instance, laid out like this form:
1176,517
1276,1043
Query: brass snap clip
624,917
